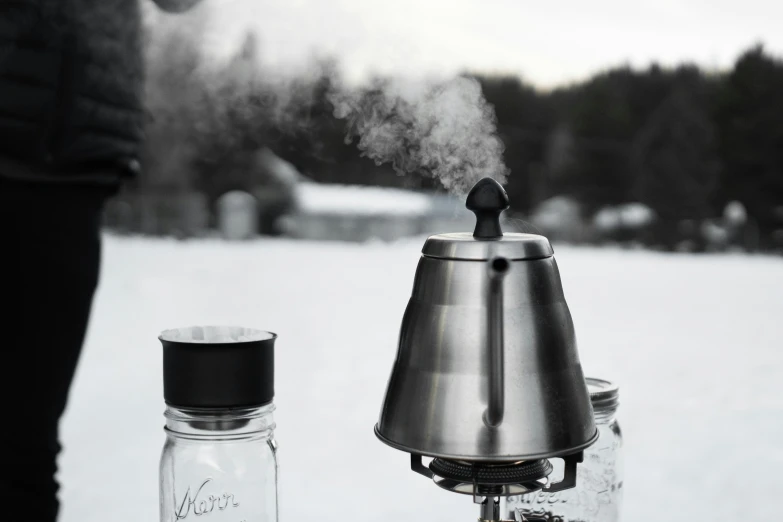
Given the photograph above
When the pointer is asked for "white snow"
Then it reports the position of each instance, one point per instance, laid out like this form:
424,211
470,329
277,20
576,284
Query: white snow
695,344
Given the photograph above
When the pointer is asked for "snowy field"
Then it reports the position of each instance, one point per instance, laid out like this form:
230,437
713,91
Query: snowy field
696,344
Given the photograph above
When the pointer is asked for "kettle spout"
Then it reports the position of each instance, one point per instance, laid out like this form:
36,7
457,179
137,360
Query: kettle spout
498,268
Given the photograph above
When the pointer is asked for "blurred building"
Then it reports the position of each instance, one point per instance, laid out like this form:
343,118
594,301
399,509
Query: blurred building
560,219
625,223
361,213
237,215
243,206
279,200
158,212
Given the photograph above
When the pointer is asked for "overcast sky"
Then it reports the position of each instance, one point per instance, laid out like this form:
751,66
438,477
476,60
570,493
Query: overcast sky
548,42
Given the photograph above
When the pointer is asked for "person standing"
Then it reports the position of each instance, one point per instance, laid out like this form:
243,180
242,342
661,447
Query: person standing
71,126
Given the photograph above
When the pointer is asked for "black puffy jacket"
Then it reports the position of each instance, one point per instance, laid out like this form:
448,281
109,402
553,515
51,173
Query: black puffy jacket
71,85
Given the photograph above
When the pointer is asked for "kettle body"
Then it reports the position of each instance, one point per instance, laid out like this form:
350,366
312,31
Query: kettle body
487,367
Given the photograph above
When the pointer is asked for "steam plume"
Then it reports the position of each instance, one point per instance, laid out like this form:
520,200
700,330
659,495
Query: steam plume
446,129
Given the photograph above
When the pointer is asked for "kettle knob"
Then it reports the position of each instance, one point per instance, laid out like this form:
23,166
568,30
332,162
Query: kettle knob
487,199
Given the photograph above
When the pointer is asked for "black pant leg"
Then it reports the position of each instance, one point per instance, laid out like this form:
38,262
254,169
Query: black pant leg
51,252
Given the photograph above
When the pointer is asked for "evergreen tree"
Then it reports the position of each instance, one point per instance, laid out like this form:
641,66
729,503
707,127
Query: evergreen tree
601,121
525,119
675,162
749,115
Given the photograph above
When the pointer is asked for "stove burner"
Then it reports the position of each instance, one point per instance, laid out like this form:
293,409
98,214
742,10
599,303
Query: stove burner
492,474
484,479
490,480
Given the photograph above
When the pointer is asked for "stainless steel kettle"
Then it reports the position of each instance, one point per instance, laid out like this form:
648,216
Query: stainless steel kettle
487,367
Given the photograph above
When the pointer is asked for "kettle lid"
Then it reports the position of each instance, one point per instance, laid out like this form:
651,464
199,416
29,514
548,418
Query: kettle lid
487,199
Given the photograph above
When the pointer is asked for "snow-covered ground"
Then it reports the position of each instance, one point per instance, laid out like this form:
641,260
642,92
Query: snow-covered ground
696,344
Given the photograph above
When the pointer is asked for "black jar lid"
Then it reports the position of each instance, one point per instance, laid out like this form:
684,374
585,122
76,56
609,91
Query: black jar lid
218,367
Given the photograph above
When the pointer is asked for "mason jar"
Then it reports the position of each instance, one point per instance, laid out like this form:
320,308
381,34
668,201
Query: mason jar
597,496
219,460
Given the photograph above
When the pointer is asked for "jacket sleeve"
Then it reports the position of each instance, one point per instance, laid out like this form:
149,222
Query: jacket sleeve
176,6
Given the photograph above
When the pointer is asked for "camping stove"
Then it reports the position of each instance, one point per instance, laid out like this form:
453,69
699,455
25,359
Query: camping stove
488,482
487,380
